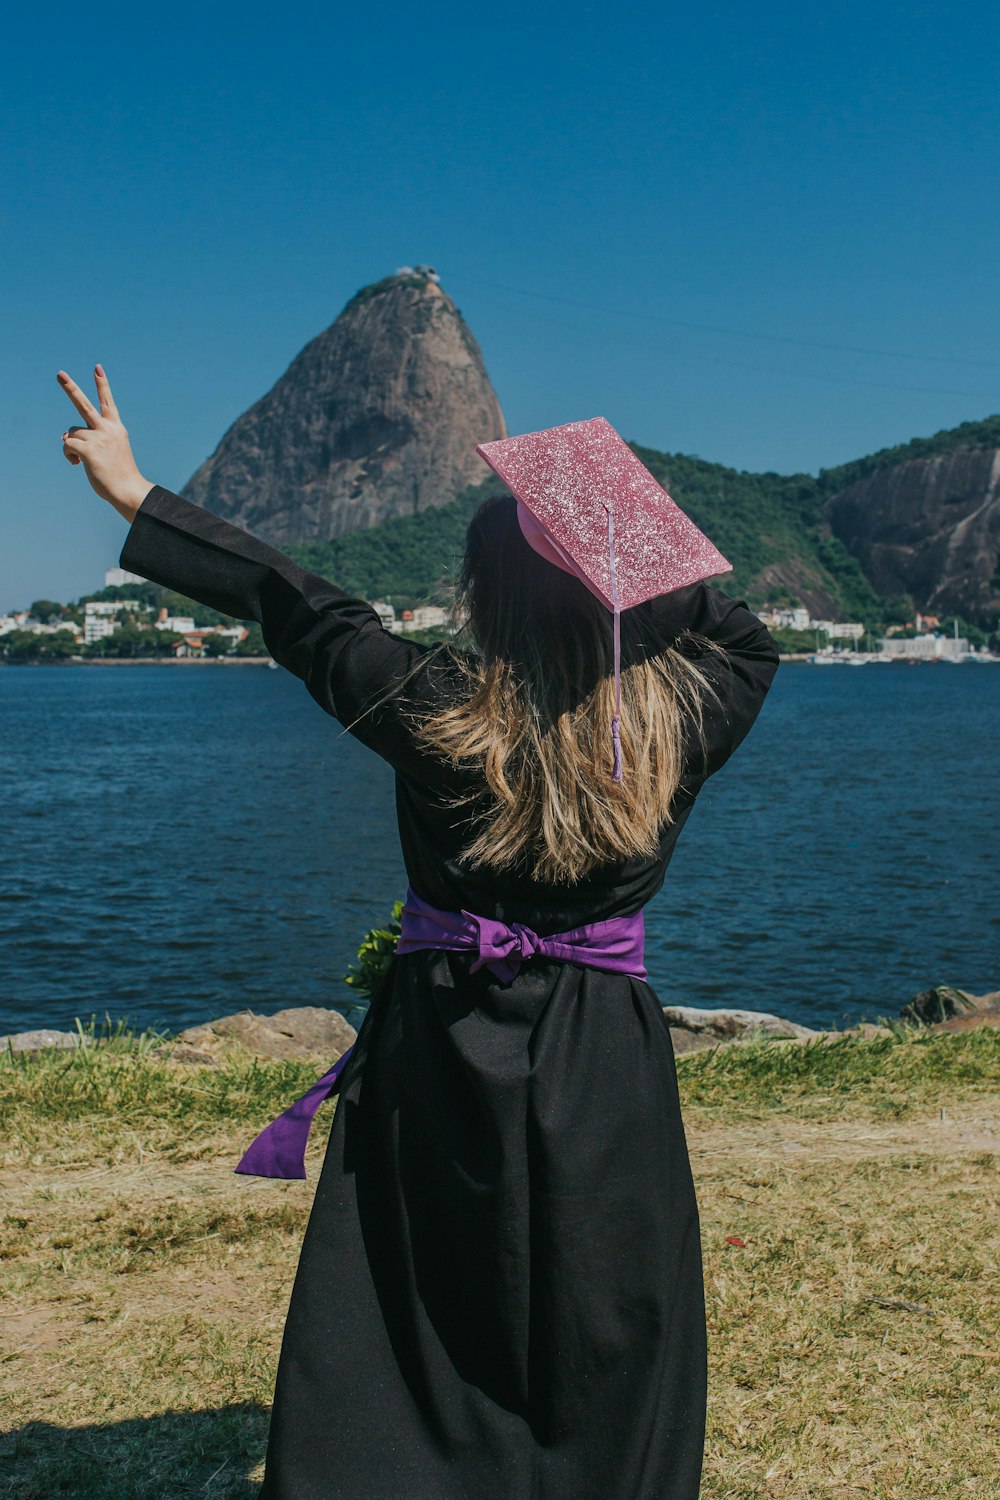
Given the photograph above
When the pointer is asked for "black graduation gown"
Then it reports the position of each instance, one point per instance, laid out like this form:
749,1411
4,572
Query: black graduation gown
500,1293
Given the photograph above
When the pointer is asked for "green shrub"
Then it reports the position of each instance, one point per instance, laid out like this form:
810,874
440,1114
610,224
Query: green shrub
378,948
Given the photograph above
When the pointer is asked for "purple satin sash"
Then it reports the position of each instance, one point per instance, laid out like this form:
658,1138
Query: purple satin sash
616,945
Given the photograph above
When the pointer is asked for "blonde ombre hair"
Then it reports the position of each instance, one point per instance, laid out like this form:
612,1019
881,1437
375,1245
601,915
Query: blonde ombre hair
534,711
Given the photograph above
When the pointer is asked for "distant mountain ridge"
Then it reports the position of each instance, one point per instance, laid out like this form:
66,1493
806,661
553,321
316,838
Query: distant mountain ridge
795,539
757,520
361,462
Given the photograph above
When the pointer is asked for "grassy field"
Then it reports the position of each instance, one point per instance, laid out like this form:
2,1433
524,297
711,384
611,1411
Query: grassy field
852,1334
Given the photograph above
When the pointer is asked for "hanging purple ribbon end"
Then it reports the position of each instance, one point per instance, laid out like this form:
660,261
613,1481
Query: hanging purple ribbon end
280,1149
271,1155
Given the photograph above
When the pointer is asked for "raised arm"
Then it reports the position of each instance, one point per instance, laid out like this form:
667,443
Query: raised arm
741,677
334,642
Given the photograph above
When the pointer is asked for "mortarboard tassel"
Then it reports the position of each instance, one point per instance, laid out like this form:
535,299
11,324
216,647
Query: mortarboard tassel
616,774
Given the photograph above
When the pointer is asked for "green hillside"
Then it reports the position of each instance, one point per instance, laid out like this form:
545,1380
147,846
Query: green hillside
984,434
756,520
411,560
760,519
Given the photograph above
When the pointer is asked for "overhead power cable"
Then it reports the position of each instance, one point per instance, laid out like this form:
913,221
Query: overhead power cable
680,357
742,333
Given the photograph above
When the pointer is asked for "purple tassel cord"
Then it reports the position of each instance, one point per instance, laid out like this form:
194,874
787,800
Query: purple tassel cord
616,738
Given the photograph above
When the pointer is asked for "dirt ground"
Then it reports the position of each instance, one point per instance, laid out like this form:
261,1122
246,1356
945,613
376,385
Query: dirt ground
852,1332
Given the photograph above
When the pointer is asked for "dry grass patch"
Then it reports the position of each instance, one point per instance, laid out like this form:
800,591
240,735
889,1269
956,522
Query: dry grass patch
854,1333
145,1284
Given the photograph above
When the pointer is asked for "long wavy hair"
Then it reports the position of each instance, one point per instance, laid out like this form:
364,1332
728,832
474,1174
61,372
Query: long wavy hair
534,707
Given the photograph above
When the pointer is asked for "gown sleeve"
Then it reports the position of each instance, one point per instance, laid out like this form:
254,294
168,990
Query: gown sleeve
741,677
334,642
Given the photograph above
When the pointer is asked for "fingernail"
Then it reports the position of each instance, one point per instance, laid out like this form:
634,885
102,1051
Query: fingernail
99,369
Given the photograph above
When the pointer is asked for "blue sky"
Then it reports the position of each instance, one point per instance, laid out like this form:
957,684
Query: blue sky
762,234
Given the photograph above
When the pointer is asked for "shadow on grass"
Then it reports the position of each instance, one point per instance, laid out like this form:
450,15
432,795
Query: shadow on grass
207,1453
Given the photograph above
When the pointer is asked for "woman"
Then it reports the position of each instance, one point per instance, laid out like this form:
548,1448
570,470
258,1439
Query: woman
500,1293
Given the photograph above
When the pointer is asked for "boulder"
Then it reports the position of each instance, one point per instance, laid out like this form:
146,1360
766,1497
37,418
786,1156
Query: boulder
691,1029
37,1041
866,1030
690,1041
949,1009
297,1034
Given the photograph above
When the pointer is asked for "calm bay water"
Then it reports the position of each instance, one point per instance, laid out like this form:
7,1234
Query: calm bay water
178,843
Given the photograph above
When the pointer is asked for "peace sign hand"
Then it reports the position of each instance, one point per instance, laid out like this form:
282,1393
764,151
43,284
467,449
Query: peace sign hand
103,447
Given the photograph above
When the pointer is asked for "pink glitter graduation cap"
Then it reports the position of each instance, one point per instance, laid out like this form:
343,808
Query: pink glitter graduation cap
588,505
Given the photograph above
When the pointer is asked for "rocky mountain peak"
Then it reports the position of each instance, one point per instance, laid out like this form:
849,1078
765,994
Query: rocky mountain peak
929,527
377,417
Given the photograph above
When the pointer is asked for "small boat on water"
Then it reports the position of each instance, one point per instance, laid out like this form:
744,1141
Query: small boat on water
844,658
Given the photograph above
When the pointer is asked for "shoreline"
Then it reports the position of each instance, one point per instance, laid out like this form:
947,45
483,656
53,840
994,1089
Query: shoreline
309,1030
149,661
784,658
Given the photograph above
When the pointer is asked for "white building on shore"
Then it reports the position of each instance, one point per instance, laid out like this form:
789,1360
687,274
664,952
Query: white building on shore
799,618
426,616
179,624
796,618
925,647
840,630
101,617
115,577
108,606
96,627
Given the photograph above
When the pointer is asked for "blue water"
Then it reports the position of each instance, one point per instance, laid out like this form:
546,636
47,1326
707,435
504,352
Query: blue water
179,843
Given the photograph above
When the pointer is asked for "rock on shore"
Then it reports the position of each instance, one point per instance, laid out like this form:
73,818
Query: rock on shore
306,1032
38,1041
949,1009
692,1029
297,1034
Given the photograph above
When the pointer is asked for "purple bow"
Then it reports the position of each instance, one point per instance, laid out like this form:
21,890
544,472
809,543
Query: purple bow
503,948
615,944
